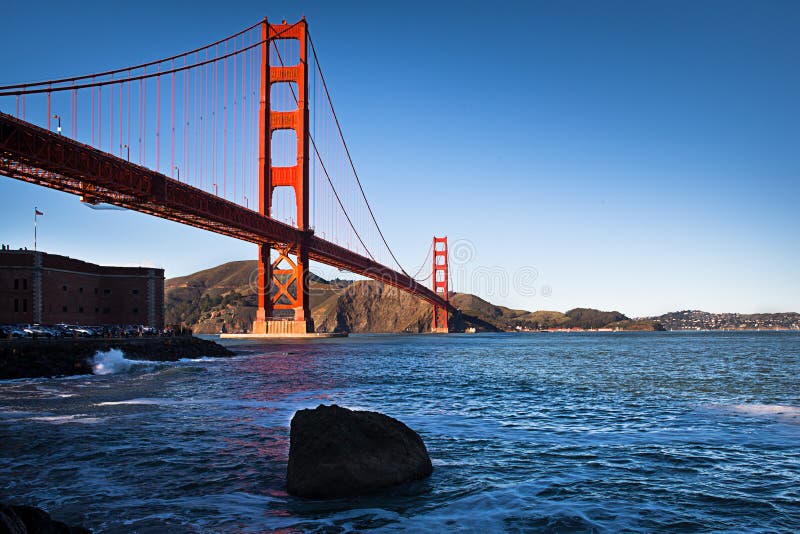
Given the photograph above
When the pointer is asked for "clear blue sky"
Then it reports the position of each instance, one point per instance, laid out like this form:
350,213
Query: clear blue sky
641,156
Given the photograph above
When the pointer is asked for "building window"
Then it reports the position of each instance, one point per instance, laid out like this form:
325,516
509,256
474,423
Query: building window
106,310
97,310
16,305
24,305
106,292
24,283
16,283
63,288
80,309
63,308
136,310
135,291
95,291
80,290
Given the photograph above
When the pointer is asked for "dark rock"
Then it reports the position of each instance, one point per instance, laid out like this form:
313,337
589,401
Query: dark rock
32,520
336,452
10,523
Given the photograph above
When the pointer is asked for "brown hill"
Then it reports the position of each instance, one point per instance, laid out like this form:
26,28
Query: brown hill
223,298
543,319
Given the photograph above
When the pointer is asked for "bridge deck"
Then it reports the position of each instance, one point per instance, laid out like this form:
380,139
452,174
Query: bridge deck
38,156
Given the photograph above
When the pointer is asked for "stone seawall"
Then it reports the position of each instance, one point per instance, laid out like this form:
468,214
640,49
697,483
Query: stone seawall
29,358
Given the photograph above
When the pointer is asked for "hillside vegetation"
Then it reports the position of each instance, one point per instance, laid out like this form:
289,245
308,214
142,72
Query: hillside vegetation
223,299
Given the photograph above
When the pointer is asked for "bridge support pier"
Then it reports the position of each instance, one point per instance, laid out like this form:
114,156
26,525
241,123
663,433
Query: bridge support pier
283,288
439,323
283,274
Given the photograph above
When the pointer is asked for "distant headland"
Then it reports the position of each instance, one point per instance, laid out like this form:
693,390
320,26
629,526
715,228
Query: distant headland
223,299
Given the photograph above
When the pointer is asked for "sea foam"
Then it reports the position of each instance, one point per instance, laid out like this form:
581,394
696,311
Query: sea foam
111,362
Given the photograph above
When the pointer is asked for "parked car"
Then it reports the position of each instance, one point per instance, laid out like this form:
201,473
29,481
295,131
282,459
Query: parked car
8,331
38,331
82,331
132,330
62,330
97,331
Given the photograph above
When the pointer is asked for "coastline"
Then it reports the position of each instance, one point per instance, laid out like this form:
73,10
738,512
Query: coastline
34,358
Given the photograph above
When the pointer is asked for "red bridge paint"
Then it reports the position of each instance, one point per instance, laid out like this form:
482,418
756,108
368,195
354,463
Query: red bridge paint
440,286
40,156
286,274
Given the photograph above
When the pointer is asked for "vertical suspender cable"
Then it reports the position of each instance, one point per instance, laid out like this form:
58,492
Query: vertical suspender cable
199,125
158,122
244,122
144,122
74,113
139,130
111,118
100,117
195,126
187,78
214,104
225,122
92,90
121,90
128,136
234,121
172,124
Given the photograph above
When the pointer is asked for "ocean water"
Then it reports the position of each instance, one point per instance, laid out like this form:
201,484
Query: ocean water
670,432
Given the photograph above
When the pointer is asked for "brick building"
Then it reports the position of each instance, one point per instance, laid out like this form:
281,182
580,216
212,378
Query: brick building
36,287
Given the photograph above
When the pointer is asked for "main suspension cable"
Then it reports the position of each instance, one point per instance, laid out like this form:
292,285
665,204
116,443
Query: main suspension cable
5,92
349,158
424,262
325,170
136,67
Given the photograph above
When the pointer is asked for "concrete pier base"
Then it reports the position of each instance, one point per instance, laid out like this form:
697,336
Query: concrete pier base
282,326
285,335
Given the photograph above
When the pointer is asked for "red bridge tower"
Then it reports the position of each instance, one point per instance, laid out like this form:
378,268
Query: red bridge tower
283,281
440,287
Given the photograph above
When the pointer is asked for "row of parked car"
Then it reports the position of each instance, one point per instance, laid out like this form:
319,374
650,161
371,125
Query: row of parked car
72,330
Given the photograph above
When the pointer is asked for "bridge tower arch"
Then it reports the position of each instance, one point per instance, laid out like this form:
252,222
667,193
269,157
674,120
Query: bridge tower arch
440,284
283,277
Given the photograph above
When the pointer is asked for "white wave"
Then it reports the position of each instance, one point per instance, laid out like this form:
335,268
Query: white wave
766,409
61,419
54,392
111,362
201,359
131,401
780,412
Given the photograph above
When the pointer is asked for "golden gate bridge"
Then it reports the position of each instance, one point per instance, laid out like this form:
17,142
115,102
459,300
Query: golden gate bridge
239,137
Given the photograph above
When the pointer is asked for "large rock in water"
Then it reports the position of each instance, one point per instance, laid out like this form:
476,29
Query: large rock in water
30,520
336,452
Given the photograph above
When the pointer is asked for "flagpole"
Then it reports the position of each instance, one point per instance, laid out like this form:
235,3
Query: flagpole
35,237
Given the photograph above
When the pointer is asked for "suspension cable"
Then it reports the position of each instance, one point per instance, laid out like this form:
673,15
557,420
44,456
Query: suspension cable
425,261
136,67
4,92
325,170
424,279
349,158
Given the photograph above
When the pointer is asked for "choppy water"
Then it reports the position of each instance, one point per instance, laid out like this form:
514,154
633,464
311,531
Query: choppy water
550,432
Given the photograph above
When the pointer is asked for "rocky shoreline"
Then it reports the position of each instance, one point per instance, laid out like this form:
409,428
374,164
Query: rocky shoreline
32,358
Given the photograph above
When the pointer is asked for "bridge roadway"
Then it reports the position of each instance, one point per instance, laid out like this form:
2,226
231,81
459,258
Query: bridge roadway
38,156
